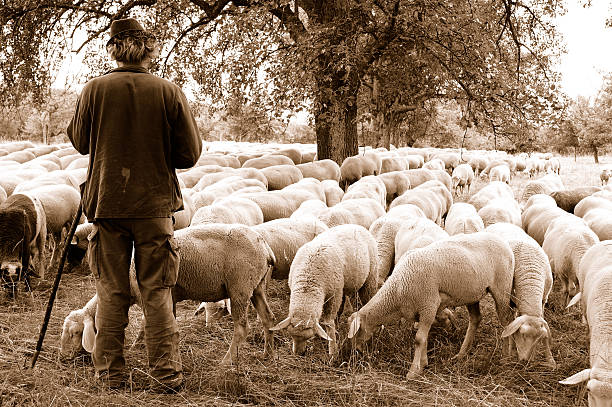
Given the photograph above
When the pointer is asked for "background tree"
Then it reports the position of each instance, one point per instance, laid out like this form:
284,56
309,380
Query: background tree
493,54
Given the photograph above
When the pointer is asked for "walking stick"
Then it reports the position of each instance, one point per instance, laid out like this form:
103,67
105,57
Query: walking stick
60,268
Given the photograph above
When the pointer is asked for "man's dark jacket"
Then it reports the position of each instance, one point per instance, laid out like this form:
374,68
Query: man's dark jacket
137,128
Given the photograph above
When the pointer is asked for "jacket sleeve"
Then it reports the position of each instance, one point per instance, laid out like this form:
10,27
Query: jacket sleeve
187,144
79,129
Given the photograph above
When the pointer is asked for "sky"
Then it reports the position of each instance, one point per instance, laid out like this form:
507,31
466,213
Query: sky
588,45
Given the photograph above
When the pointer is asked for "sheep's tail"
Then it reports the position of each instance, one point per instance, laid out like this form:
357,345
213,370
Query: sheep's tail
271,257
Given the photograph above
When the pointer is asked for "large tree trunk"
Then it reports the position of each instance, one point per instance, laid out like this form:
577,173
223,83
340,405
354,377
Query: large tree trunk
336,113
595,154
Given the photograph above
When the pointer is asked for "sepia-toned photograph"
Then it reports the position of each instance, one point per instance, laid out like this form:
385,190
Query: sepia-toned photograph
353,203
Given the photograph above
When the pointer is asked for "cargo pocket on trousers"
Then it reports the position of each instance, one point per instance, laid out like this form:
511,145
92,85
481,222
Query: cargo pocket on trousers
172,264
93,249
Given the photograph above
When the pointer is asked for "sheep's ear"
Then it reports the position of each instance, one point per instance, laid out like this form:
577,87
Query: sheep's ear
513,326
321,332
578,377
281,325
89,334
574,300
355,324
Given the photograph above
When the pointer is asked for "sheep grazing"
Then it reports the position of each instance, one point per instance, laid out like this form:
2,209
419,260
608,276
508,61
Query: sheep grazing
229,210
462,177
432,197
353,168
605,175
596,296
567,199
565,243
396,183
267,161
500,210
23,234
553,165
530,289
435,164
321,170
478,164
500,173
337,263
384,230
207,273
280,176
545,185
333,192
368,187
456,271
492,190
463,218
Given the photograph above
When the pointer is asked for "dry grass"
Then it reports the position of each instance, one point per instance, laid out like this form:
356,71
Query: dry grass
377,378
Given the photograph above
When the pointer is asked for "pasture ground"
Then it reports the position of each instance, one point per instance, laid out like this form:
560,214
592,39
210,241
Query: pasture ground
485,378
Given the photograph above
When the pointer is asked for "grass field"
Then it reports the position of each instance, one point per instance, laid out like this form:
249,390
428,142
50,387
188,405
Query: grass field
485,378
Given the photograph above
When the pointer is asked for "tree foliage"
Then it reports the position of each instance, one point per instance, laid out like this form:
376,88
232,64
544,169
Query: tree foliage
343,60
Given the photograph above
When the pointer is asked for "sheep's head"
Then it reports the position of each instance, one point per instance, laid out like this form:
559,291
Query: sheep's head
599,385
301,331
78,335
526,332
359,331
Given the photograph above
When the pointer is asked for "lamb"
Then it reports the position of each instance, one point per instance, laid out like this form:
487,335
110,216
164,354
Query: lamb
417,233
567,199
463,218
419,176
78,331
590,203
596,296
462,177
355,167
321,170
424,282
565,242
191,177
218,159
207,273
337,263
500,173
291,152
361,211
600,222
531,286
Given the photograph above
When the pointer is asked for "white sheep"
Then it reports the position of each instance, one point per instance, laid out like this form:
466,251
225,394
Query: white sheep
229,210
337,263
501,210
384,230
321,170
396,183
500,173
333,192
368,187
492,190
208,273
605,175
566,240
357,211
462,177
596,297
463,218
530,289
456,271
417,233
432,197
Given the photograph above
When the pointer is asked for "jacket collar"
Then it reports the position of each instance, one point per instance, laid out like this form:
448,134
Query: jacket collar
129,68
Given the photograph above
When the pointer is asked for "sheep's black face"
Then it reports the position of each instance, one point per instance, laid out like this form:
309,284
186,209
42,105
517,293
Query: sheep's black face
10,274
75,255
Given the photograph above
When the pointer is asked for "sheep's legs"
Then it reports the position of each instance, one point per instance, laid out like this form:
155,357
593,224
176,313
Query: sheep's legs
420,344
550,361
475,317
260,302
239,318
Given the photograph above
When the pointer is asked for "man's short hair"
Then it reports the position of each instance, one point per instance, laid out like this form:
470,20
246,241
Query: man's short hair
132,47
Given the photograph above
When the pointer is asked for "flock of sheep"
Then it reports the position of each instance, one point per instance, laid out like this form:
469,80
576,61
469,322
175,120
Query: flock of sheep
381,229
